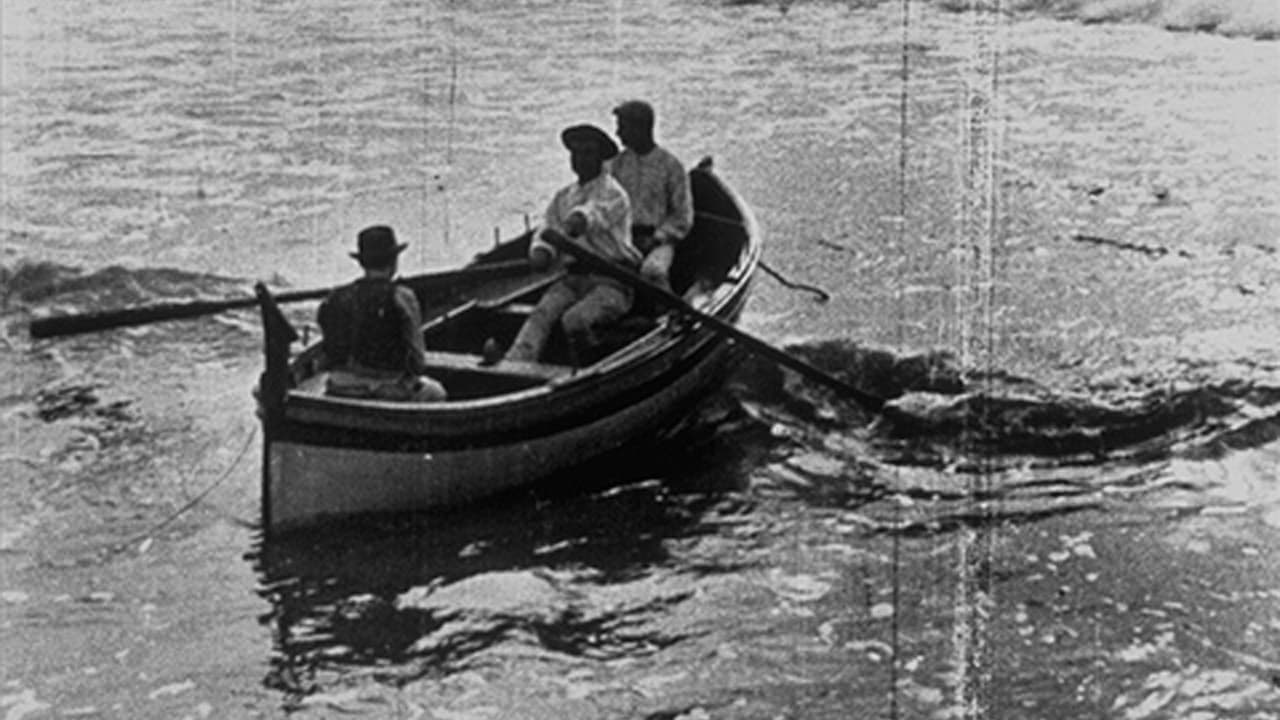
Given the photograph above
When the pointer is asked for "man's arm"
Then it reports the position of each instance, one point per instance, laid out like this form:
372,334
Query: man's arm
607,212
411,330
542,253
679,218
608,215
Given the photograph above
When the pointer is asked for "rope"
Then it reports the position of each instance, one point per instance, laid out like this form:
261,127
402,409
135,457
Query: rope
122,546
823,295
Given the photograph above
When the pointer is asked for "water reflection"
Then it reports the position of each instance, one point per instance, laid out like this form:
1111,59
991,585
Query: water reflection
577,566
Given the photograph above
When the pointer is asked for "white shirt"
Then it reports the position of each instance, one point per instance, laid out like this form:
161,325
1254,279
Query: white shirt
659,190
608,212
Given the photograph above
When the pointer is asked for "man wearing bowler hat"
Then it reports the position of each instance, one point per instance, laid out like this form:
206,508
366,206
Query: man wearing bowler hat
593,212
372,329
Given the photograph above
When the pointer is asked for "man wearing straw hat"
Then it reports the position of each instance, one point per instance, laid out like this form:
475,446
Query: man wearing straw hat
593,212
372,329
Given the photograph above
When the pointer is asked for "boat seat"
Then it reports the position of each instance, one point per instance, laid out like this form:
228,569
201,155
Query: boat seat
464,377
520,309
468,363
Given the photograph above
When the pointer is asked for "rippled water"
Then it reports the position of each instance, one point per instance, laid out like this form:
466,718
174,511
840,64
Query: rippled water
1060,261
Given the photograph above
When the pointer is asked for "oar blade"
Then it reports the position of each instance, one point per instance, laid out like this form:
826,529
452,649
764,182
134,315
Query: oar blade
60,325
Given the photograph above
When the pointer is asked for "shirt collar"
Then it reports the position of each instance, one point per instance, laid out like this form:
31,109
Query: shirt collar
597,180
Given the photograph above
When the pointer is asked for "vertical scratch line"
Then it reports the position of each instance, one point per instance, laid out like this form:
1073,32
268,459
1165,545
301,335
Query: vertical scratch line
903,107
974,296
235,41
425,160
448,137
619,55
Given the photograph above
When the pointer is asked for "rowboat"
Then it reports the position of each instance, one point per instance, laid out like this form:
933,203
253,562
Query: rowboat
509,423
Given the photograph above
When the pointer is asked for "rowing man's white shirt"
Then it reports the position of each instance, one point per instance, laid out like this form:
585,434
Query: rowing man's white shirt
608,212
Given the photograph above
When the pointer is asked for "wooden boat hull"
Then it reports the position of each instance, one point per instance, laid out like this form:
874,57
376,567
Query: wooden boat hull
359,480
506,425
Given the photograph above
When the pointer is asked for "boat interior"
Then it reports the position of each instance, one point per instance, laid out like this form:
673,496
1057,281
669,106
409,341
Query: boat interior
460,317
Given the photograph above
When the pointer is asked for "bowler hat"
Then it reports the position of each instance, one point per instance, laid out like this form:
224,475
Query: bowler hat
377,244
579,134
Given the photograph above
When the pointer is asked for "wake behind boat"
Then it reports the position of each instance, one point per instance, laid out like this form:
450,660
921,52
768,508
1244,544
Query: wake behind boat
508,423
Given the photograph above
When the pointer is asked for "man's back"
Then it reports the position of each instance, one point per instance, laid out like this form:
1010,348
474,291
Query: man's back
365,322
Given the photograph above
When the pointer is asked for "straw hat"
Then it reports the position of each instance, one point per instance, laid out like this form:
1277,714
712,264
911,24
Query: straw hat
585,134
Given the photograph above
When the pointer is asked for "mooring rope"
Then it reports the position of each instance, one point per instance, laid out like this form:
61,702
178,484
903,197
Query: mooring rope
823,295
150,532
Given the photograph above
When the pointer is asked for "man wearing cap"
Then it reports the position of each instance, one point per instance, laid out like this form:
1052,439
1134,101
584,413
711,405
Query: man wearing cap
595,213
656,183
372,329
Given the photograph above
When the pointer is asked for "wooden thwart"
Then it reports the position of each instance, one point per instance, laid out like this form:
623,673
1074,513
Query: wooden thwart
466,362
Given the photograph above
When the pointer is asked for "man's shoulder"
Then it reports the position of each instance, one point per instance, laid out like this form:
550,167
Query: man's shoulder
626,156
405,298
659,155
341,294
565,193
606,186
404,292
612,184
667,158
338,306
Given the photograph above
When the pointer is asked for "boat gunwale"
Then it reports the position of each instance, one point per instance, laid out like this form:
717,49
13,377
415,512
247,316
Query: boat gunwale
529,424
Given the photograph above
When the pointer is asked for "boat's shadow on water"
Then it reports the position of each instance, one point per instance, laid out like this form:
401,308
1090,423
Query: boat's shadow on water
407,596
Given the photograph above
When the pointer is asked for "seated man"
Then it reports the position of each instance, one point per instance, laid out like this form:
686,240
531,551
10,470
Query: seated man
658,187
372,329
594,212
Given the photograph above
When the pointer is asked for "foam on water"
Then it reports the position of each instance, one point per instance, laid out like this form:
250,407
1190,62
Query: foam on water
978,447
1247,18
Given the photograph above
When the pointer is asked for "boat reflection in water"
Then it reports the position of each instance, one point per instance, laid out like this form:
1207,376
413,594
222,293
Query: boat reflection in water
565,567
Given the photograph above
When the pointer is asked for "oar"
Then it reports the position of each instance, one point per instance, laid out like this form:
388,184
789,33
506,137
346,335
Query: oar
599,265
142,314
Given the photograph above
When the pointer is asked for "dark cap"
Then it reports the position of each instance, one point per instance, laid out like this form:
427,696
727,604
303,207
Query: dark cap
377,244
635,110
582,134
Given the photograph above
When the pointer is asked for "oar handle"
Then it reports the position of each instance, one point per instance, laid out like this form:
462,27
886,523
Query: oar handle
599,265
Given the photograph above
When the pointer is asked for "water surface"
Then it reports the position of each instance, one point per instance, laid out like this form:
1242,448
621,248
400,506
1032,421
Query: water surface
1063,256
